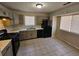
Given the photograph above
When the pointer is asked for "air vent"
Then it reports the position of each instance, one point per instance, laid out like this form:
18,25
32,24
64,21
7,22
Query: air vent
67,3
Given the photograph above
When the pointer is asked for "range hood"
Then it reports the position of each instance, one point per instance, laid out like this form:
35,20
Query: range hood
2,17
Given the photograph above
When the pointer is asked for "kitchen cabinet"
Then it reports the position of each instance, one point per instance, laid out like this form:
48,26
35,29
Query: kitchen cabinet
28,34
4,13
7,51
7,13
10,14
21,19
15,18
33,34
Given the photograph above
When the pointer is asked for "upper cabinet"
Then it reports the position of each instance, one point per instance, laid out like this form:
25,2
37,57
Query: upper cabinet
15,18
4,13
21,19
9,13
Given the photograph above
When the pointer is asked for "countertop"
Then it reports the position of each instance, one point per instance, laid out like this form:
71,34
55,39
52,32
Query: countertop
14,29
3,44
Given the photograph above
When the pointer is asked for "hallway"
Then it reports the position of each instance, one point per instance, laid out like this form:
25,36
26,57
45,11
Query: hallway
46,47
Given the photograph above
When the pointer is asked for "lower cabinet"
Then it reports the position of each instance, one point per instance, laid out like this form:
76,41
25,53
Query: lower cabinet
8,50
28,34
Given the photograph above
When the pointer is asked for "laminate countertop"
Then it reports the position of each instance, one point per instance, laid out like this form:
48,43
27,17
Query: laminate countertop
14,29
4,44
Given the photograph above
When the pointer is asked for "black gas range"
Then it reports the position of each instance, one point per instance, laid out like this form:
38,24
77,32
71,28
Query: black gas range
14,38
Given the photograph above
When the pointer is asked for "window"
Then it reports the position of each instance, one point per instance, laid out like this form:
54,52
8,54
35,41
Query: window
29,20
66,23
75,24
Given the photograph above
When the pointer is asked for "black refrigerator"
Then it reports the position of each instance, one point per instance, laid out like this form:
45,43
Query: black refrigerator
47,29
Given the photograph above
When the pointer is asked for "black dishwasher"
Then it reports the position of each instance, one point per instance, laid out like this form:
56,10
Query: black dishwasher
15,39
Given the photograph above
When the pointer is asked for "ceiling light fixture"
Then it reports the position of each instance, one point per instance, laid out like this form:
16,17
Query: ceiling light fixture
39,5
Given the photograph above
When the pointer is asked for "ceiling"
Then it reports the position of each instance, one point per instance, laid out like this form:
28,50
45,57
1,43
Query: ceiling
31,6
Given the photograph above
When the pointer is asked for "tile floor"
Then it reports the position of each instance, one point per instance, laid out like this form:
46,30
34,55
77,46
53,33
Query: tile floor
46,47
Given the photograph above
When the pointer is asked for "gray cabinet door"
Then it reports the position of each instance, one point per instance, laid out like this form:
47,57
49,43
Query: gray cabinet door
8,50
28,34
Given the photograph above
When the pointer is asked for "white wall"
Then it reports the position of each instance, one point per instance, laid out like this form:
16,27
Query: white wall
54,19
